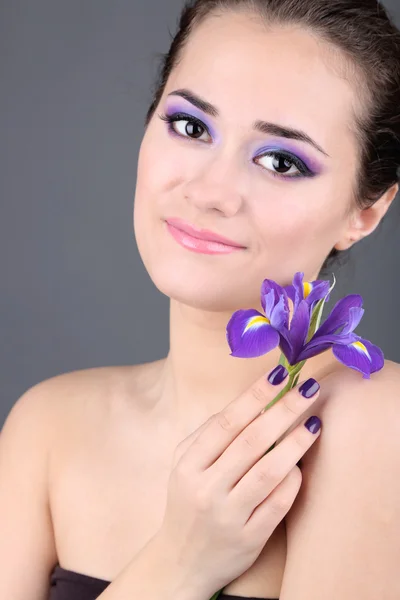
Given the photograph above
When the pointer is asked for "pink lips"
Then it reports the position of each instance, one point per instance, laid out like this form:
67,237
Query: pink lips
215,241
200,240
197,244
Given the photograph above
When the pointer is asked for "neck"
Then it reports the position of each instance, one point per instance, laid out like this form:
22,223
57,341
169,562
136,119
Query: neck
199,377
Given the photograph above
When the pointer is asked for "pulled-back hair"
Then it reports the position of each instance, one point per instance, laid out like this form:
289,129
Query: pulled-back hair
367,38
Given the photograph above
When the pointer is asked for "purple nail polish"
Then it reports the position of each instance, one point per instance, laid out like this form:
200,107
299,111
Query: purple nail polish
277,375
309,388
313,424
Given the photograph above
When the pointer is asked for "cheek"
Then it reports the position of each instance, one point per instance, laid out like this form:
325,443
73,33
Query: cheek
159,172
161,164
307,217
153,172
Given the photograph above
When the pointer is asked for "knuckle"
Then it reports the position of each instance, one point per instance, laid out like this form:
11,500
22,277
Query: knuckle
249,439
260,395
280,504
269,473
302,439
291,406
281,501
224,421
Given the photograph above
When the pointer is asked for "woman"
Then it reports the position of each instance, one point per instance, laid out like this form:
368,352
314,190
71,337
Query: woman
276,125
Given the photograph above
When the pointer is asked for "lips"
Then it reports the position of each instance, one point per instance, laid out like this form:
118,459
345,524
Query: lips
202,234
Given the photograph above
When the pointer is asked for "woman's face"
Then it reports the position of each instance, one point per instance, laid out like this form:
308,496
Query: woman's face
286,209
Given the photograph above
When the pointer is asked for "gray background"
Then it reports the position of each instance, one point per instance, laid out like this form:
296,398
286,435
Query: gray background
75,85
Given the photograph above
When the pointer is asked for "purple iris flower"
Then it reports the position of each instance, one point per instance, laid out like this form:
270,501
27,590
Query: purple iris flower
251,333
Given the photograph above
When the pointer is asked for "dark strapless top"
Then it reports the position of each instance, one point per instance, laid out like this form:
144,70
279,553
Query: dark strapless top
70,585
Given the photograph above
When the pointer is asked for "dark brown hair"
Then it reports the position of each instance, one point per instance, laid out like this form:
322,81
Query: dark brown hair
367,38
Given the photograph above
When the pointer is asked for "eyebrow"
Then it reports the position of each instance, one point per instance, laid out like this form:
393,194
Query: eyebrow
263,126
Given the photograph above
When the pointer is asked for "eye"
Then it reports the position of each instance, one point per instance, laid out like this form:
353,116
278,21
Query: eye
282,164
185,126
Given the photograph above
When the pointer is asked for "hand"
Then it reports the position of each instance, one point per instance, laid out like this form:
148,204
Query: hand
225,494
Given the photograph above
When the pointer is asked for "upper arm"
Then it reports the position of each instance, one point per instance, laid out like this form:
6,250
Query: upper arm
343,530
27,549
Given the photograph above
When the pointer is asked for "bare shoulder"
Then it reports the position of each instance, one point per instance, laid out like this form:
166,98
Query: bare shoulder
353,410
36,422
347,505
339,374
346,394
46,422
83,396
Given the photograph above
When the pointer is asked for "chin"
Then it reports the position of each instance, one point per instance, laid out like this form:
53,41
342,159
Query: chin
198,285
207,282
198,293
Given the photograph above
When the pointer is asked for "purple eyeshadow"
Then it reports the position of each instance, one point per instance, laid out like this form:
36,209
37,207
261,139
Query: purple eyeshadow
174,106
285,145
177,107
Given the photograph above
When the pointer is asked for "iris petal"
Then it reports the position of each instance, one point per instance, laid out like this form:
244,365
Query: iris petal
290,292
307,353
299,328
319,290
355,316
361,355
279,315
286,345
269,303
339,314
266,287
319,344
311,291
250,334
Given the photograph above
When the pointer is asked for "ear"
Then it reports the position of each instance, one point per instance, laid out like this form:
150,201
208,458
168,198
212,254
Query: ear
362,222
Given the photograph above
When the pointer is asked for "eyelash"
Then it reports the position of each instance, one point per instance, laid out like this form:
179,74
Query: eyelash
304,171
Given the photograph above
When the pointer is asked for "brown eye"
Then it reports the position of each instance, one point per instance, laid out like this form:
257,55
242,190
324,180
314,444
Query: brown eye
194,130
185,126
279,164
188,128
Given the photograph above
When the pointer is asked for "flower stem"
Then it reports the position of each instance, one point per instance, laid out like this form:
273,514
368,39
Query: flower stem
290,384
287,387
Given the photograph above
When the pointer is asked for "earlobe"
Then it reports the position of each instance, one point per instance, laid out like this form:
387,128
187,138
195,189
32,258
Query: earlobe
367,220
347,243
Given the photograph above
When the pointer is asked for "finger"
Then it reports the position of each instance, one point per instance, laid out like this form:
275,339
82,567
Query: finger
185,444
229,422
252,443
271,469
267,515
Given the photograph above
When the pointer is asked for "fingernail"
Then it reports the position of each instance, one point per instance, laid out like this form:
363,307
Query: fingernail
309,388
277,375
313,424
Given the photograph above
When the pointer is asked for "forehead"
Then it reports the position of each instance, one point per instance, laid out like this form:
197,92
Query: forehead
285,75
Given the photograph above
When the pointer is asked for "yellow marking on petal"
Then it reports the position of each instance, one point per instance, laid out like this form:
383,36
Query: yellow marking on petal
360,346
256,322
307,288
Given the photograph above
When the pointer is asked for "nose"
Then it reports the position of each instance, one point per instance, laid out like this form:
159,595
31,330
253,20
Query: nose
215,186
